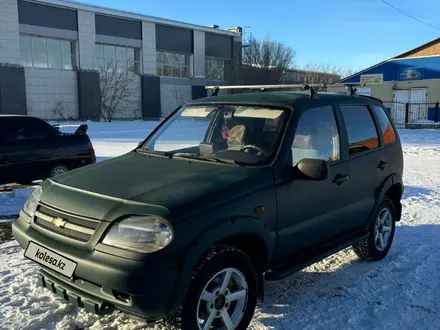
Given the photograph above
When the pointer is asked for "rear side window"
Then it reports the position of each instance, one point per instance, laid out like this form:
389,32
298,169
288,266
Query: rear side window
389,136
361,130
24,128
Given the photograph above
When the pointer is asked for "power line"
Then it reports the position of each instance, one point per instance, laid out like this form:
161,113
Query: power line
405,13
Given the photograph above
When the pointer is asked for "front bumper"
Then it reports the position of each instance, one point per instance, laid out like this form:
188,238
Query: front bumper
103,282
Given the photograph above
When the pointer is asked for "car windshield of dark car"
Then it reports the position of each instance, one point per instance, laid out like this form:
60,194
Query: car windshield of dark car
234,133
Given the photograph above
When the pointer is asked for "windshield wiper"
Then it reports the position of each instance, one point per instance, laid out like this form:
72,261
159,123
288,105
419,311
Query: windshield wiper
154,152
207,158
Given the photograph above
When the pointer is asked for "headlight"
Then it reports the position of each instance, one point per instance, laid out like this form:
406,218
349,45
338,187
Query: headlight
140,234
32,202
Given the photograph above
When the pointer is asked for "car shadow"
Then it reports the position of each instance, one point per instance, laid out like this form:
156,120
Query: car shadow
335,292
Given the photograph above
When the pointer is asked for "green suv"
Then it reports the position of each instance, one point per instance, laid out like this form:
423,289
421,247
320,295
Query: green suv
227,192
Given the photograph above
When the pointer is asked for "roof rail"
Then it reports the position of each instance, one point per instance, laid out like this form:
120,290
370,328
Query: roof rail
372,97
262,88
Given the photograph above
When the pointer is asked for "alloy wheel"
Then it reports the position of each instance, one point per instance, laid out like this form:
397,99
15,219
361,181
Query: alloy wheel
383,228
222,302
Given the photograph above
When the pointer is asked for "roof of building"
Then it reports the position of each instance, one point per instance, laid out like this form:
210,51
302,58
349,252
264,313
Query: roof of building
131,15
428,44
430,65
398,57
285,99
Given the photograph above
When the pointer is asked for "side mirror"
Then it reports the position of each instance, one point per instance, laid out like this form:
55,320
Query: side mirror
313,169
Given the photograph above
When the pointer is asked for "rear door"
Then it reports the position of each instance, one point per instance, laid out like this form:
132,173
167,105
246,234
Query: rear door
30,143
369,165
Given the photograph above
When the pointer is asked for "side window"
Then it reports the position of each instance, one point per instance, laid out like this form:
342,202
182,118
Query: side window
12,130
38,128
316,136
389,136
361,130
22,128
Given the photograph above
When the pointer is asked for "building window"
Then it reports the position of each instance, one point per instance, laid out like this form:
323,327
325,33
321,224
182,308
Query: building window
173,64
214,68
121,58
47,53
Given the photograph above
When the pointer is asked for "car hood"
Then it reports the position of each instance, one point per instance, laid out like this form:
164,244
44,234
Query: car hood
139,183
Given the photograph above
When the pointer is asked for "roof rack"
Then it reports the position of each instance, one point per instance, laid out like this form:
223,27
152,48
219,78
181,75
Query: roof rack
350,90
306,87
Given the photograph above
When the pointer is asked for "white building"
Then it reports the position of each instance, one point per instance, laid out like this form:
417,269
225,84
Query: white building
51,50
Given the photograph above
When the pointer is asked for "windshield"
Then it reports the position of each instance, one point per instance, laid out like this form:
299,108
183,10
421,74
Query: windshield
240,134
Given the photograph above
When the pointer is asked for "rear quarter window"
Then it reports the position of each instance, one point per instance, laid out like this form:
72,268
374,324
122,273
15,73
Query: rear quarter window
387,130
361,129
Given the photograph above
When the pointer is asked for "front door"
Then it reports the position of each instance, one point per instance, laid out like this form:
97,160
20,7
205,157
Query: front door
310,212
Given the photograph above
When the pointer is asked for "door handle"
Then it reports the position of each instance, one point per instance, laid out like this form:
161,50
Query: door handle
383,165
339,179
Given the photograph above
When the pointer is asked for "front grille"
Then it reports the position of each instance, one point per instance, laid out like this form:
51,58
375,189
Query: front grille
78,228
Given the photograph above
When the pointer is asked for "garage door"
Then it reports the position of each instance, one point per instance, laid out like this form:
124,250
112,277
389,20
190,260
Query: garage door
418,107
400,98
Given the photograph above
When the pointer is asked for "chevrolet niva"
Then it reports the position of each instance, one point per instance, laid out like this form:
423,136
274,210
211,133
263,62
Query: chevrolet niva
227,192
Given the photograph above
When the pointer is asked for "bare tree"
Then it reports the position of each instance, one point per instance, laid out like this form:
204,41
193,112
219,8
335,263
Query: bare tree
116,86
60,111
265,61
347,72
320,74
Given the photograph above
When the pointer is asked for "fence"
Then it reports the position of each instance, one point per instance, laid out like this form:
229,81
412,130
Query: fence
413,114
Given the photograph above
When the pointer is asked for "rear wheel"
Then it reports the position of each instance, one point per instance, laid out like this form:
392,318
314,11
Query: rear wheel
57,170
376,246
222,293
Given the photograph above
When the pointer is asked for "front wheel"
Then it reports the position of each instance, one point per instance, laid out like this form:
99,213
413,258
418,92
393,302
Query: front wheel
376,246
222,293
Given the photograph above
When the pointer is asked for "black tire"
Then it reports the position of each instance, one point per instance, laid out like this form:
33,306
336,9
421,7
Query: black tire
218,258
367,249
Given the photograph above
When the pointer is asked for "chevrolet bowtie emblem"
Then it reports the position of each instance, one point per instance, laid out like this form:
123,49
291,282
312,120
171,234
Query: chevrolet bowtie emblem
59,222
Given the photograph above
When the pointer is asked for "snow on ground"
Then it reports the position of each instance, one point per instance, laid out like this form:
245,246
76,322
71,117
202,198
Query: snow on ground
341,292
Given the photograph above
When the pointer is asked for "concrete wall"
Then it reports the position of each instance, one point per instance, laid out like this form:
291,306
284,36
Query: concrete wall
131,108
199,54
149,48
86,39
174,92
9,32
45,88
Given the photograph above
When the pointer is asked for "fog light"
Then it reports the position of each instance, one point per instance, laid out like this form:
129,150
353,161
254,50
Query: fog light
121,296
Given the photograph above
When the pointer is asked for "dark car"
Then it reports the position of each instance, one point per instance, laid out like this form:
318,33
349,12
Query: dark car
31,149
225,193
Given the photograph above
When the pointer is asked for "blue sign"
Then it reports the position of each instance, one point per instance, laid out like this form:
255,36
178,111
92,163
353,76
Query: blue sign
410,74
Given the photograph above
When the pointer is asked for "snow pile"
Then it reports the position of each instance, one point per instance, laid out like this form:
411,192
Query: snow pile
12,202
426,122
340,292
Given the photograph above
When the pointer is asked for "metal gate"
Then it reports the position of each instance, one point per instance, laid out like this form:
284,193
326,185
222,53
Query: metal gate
418,108
415,101
400,98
